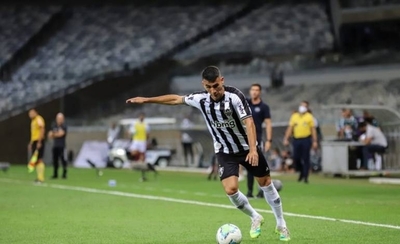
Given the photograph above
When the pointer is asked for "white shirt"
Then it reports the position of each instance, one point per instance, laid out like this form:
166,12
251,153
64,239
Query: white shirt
378,138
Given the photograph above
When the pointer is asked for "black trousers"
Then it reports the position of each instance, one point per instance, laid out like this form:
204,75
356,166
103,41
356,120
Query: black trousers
58,153
188,153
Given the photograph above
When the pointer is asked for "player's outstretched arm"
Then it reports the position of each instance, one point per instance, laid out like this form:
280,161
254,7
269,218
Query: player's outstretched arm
171,99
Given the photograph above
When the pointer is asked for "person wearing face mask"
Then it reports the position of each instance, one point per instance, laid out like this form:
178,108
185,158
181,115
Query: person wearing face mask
302,128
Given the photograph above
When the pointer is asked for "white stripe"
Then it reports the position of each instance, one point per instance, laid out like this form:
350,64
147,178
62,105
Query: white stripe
176,200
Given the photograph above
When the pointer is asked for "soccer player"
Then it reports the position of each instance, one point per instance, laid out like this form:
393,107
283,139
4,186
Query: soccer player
226,111
138,147
59,133
36,145
261,114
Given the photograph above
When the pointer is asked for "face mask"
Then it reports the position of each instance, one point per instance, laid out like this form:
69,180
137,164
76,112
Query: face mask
302,109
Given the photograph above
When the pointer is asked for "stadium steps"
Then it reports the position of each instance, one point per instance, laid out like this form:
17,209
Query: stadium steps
30,48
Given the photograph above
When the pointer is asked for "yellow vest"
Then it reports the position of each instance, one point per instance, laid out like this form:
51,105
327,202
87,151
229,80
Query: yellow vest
302,124
36,124
140,132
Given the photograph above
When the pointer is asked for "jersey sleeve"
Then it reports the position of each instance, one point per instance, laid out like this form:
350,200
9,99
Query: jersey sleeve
241,105
193,99
292,120
267,113
311,121
40,121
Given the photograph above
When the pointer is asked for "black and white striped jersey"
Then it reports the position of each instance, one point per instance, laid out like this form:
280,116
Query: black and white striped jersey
224,118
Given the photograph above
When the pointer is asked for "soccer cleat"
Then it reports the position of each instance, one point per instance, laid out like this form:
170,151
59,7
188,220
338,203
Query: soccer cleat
255,230
283,232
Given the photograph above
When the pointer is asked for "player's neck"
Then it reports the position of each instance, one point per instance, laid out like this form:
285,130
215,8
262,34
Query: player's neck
256,100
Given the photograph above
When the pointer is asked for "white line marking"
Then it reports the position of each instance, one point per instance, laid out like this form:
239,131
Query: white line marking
176,200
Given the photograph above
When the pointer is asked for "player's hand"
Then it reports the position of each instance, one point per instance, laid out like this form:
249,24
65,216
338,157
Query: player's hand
38,145
285,142
315,145
138,100
267,146
252,158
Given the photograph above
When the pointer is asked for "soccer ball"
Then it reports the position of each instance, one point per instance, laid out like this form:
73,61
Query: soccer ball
229,234
278,184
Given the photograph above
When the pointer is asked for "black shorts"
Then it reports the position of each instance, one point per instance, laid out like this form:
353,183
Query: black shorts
40,150
229,165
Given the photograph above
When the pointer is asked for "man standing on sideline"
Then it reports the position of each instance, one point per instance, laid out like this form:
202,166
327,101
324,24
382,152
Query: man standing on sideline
112,133
59,133
261,114
230,123
36,145
187,142
301,126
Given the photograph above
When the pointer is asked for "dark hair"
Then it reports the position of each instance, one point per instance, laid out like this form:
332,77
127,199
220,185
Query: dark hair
306,102
257,85
362,124
210,74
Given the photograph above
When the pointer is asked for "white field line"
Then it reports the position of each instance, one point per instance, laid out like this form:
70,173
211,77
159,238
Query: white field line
183,201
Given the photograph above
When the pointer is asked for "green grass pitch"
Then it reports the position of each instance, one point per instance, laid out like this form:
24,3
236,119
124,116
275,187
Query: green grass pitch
171,209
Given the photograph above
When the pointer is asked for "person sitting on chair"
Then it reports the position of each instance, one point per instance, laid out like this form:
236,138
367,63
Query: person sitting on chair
374,140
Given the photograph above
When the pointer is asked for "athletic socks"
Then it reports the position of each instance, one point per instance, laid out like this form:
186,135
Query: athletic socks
240,201
40,171
272,197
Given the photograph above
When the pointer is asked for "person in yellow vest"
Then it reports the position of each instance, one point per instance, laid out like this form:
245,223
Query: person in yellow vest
302,128
140,132
36,145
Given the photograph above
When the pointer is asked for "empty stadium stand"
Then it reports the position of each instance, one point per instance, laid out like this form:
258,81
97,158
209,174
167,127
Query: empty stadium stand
18,24
270,30
98,40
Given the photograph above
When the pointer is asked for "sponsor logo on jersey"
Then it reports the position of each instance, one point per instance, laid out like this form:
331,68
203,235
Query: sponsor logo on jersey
242,112
223,124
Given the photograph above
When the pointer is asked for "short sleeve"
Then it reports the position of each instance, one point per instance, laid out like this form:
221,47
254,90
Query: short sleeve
241,105
194,99
292,120
40,121
267,113
311,121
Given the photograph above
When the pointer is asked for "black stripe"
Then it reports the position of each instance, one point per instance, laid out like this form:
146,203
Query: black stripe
223,136
230,130
239,123
241,96
212,131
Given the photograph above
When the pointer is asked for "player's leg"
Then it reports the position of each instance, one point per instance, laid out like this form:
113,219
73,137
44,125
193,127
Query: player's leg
271,195
250,184
64,162
307,143
297,157
229,174
40,166
55,163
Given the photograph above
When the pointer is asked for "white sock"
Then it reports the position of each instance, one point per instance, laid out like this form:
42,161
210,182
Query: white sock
240,201
272,197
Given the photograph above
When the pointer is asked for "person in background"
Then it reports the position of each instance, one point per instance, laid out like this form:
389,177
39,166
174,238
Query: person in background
187,142
287,161
36,145
112,133
261,115
316,122
369,117
374,141
301,126
59,133
347,125
276,160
